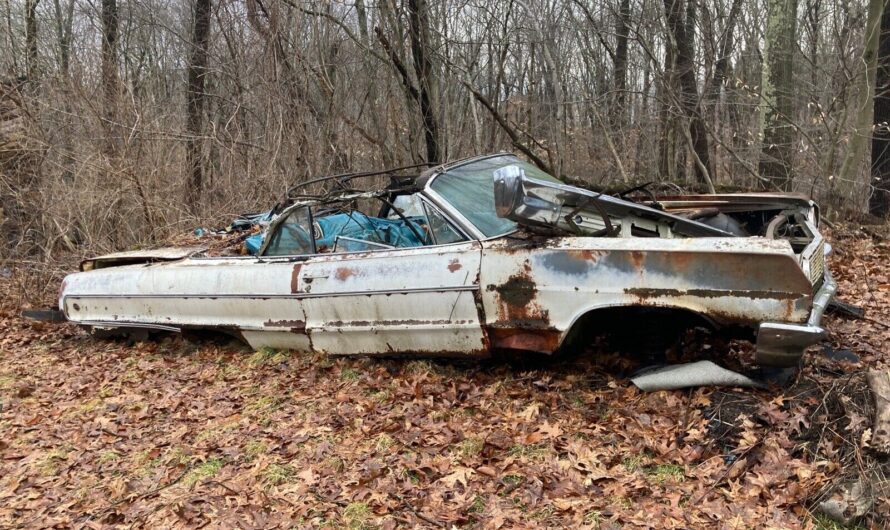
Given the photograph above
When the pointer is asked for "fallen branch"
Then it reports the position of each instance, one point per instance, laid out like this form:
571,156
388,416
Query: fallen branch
844,308
879,383
514,137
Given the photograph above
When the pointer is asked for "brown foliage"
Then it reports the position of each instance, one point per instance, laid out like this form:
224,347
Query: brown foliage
181,434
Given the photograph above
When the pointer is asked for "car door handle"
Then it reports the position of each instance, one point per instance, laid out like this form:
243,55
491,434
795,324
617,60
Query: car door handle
308,279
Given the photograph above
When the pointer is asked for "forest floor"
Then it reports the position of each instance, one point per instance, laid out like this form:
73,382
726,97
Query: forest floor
175,433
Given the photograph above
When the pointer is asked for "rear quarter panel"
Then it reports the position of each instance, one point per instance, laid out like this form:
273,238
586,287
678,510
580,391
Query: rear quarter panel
534,290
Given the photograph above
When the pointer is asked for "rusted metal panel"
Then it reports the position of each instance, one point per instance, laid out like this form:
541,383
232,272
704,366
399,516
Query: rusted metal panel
406,300
246,295
530,289
140,256
535,340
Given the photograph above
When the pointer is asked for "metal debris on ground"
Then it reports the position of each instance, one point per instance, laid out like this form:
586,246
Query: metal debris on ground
701,373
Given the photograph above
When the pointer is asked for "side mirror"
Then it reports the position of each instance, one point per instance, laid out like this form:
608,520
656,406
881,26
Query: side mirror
507,189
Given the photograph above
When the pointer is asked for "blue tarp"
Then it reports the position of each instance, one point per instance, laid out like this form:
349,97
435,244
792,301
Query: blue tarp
244,222
356,225
253,243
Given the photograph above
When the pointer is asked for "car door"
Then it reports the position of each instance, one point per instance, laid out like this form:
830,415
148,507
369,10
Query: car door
251,296
418,300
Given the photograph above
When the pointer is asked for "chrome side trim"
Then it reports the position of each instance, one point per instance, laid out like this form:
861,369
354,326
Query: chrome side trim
456,288
123,324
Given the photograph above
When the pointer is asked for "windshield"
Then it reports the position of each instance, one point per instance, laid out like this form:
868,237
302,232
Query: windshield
470,189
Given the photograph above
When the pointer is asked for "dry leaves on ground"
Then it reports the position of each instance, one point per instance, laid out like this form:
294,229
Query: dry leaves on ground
181,434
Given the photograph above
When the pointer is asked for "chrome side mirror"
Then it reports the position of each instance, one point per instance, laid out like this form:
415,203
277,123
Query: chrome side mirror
507,189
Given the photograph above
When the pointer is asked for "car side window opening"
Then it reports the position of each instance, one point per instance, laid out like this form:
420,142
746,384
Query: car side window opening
442,231
336,228
293,236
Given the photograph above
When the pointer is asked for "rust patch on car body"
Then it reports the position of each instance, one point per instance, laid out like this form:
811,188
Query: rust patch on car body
536,340
295,278
571,262
649,292
344,273
454,265
636,258
518,291
518,308
294,325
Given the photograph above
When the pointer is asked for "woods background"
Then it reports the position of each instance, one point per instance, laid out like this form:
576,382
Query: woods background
123,121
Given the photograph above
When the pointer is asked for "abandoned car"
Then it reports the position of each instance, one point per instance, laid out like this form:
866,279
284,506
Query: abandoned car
475,256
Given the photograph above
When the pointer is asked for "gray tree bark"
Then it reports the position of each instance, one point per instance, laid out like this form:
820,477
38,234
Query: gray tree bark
879,201
777,153
195,97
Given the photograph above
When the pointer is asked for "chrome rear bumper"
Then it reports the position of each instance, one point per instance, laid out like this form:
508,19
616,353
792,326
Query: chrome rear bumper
782,343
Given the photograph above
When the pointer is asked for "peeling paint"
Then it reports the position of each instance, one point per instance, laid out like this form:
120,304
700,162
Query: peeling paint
344,273
292,324
541,341
655,292
518,291
295,278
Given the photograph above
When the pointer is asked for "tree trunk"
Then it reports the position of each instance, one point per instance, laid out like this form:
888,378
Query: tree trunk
64,21
109,72
31,38
197,70
777,154
621,35
721,65
813,13
421,50
879,202
668,166
864,102
678,22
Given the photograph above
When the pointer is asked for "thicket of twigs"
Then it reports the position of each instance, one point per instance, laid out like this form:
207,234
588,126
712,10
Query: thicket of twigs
126,122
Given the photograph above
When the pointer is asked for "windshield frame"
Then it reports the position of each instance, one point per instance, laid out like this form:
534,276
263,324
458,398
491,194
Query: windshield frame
456,215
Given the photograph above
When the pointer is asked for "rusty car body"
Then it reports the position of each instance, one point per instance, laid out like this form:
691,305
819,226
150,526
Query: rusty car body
475,256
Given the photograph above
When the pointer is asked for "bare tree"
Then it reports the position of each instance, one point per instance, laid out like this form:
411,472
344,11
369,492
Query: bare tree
879,200
777,159
31,37
109,71
195,97
421,51
682,40
863,104
622,31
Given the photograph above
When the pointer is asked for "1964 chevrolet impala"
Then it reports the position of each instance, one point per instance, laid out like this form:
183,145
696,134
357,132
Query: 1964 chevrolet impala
483,254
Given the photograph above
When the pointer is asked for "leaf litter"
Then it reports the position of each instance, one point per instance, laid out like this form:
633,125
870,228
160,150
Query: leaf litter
175,434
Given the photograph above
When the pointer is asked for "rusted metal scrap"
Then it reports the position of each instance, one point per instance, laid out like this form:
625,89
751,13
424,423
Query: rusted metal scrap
701,373
466,258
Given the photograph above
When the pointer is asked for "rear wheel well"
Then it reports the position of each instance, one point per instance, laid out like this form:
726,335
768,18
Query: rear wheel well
633,325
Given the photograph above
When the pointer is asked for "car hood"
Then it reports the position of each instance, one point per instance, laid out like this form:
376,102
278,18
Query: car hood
133,257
